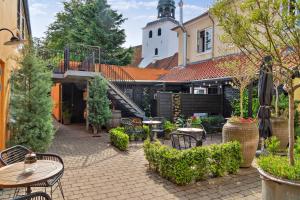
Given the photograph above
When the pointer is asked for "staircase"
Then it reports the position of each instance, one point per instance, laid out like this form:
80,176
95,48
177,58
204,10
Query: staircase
118,79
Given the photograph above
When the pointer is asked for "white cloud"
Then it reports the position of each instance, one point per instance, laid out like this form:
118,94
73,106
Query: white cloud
37,9
145,17
131,4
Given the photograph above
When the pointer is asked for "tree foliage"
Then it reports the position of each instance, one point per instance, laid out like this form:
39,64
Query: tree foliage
98,103
266,28
90,22
31,104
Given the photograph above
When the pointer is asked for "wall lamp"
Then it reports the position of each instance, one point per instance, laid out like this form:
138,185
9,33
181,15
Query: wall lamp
14,40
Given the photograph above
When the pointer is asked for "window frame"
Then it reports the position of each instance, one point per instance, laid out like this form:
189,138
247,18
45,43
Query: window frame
150,35
156,51
203,40
159,32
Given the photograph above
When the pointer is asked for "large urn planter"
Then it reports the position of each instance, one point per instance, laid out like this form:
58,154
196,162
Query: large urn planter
278,189
115,119
280,127
245,133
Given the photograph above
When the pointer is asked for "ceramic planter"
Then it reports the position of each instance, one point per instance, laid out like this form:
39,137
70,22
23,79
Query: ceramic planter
278,189
280,127
245,133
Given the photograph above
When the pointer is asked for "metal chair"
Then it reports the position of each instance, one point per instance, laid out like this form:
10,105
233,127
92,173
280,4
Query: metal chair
183,141
34,196
132,127
17,154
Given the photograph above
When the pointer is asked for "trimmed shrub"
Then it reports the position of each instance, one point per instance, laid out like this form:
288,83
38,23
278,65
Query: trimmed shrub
119,139
186,166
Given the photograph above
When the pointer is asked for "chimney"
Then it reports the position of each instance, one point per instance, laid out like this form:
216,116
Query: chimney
181,12
184,36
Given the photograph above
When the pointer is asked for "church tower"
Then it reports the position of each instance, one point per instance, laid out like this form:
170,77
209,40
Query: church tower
166,8
159,41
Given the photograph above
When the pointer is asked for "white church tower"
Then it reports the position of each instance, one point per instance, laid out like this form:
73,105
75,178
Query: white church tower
159,41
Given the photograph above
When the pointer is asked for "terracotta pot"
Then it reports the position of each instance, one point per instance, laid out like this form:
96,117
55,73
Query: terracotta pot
280,127
278,189
245,133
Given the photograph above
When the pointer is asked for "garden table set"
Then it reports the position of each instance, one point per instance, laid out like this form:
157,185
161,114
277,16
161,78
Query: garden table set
151,124
45,171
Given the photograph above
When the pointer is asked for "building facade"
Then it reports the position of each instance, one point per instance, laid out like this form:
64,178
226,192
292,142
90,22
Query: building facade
158,37
14,15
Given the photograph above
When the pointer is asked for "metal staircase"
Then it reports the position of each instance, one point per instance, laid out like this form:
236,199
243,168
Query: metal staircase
118,79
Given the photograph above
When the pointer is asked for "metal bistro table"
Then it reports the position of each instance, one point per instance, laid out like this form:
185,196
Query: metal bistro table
151,123
192,131
13,176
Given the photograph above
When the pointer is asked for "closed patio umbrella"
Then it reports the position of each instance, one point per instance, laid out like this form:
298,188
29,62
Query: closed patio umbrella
265,89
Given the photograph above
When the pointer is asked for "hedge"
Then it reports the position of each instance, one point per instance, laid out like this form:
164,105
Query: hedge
119,139
186,166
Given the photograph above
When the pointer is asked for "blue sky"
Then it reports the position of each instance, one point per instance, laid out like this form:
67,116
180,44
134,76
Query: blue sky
138,12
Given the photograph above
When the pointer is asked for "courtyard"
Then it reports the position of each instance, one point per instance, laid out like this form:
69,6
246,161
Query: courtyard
95,170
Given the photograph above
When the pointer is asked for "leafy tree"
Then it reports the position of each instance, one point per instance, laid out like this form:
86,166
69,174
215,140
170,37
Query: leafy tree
98,103
266,28
90,22
31,104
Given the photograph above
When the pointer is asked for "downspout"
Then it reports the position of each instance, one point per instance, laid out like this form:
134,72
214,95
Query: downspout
184,36
213,35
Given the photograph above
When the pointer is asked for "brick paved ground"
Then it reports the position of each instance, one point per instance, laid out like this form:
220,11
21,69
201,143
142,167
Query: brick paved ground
95,170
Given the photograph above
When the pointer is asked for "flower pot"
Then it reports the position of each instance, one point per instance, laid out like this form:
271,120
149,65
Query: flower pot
278,189
245,133
115,120
280,127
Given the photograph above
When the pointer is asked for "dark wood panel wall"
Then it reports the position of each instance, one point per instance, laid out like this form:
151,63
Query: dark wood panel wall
190,104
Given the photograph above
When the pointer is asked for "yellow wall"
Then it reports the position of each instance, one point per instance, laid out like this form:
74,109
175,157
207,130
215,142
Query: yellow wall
219,48
8,59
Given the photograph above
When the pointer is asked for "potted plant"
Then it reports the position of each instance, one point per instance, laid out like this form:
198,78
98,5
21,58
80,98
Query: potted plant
194,122
66,114
238,128
277,37
98,104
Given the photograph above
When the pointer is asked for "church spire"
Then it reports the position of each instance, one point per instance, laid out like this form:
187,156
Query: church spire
166,8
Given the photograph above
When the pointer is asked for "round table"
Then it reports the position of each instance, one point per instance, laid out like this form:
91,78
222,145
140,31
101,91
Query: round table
192,131
13,176
151,123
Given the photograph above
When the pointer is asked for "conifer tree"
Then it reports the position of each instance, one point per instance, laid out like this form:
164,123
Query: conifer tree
98,103
31,104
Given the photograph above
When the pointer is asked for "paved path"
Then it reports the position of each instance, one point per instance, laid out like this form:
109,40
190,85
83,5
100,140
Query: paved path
95,170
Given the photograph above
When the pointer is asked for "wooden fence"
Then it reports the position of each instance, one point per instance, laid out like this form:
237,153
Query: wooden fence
189,104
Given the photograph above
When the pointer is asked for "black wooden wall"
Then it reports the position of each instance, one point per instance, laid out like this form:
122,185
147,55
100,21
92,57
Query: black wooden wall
190,104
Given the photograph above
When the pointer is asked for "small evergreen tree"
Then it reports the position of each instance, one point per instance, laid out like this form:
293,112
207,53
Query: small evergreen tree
98,103
31,104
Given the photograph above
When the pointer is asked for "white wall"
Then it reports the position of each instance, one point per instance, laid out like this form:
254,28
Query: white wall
166,43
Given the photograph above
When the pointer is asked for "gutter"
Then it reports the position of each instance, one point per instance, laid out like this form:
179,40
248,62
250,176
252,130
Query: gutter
213,35
27,17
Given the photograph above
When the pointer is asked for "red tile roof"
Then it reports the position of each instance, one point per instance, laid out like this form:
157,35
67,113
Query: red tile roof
166,63
199,71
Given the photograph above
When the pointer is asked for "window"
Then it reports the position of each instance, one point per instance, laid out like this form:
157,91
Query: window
156,52
204,40
150,34
200,90
159,32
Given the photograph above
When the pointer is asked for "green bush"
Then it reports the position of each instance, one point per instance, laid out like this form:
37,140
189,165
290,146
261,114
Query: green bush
272,145
213,123
183,167
119,139
279,166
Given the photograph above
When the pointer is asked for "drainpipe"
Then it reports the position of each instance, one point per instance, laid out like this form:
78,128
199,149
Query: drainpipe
184,36
213,35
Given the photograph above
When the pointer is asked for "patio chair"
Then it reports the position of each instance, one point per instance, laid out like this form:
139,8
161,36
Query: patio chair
17,154
132,127
183,141
34,196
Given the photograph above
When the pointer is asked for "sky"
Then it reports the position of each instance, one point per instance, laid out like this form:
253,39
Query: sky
137,12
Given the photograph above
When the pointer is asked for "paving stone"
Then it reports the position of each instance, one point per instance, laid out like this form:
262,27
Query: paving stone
95,170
